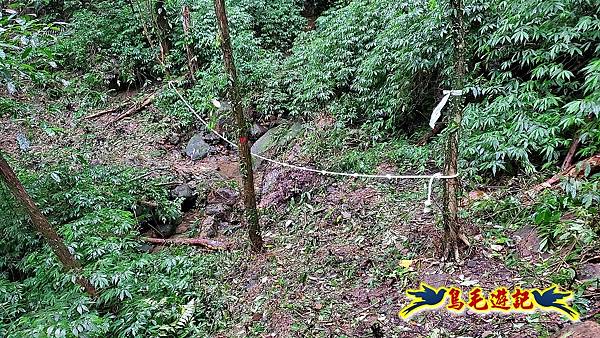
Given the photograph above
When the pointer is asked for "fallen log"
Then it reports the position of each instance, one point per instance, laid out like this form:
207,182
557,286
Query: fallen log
136,107
204,242
576,171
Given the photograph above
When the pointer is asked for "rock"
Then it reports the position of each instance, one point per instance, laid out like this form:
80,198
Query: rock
174,138
211,138
496,247
165,230
145,247
197,149
528,242
264,143
223,195
587,329
279,135
23,142
188,195
210,227
219,211
182,191
257,131
589,271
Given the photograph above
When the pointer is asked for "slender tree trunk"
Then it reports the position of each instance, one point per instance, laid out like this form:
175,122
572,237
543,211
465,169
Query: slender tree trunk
42,225
571,153
163,29
189,46
451,186
244,147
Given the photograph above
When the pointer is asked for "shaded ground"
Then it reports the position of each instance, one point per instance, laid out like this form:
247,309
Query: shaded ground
340,253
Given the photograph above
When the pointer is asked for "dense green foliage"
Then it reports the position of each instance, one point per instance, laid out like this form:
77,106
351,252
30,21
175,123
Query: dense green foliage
25,49
534,67
533,74
537,85
373,69
96,210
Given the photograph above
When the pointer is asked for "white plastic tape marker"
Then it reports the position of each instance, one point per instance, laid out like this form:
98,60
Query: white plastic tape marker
437,111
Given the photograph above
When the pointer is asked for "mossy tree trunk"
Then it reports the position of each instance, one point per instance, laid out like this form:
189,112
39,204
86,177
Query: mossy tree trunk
452,229
163,29
42,225
189,45
245,158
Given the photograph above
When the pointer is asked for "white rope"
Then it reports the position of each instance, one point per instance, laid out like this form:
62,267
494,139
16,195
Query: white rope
322,172
437,111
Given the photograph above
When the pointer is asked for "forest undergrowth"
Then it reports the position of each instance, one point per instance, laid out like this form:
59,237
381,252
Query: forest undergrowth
100,141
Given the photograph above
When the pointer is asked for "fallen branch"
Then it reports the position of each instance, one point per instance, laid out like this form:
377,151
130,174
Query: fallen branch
207,243
149,204
105,111
168,184
576,171
136,107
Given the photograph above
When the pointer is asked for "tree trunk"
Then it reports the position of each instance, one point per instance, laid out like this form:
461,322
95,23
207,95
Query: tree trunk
244,147
189,46
451,186
42,225
571,153
162,25
430,134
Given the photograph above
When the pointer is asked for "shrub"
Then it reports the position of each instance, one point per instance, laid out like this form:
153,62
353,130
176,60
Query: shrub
95,210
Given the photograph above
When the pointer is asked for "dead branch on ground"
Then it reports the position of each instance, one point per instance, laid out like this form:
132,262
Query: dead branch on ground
204,242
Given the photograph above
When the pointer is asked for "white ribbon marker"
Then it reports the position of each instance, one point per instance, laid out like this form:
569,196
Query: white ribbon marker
216,103
437,111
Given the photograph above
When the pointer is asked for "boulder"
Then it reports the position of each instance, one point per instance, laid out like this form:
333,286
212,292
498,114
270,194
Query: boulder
219,211
223,195
210,227
257,131
528,242
211,138
587,329
145,247
589,272
197,149
279,135
185,192
165,230
182,191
